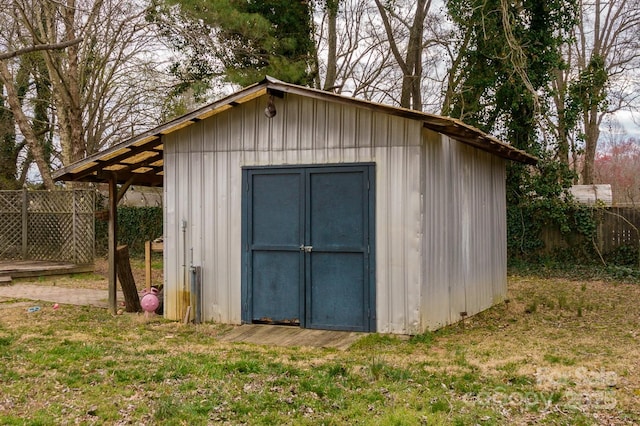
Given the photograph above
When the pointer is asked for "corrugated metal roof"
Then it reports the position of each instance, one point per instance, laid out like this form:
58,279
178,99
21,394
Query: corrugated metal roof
139,160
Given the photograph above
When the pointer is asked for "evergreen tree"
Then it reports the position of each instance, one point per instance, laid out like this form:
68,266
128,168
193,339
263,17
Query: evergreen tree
240,40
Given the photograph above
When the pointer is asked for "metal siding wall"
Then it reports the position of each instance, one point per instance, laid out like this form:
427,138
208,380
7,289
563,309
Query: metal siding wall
456,230
486,272
173,278
499,242
399,236
168,216
465,225
418,192
437,222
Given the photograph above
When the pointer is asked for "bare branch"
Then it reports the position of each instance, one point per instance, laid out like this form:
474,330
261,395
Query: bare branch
40,47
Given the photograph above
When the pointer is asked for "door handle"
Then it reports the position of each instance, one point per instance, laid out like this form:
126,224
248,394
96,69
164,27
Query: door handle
306,249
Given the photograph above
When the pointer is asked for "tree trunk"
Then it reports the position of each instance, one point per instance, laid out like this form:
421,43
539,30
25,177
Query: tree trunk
332,41
560,89
25,126
592,134
414,54
411,64
76,124
128,284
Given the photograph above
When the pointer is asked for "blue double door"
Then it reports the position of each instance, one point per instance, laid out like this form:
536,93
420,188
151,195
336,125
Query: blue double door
308,247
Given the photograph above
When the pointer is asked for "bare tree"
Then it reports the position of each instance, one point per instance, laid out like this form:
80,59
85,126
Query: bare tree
105,79
617,165
12,36
602,60
352,58
408,31
24,124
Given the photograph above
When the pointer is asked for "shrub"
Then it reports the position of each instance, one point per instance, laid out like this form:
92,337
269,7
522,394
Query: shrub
135,226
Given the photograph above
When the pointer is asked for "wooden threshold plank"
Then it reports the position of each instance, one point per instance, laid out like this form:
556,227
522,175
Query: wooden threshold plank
278,335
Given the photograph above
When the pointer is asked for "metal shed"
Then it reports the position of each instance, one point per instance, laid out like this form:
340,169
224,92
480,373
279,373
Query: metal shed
309,208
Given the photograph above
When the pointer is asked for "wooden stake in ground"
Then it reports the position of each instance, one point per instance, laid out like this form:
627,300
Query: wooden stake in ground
187,315
128,284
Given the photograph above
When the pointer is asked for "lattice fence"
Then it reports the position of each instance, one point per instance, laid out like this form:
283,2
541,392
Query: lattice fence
47,225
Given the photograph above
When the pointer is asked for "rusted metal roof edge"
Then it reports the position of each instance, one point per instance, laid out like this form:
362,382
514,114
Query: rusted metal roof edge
449,126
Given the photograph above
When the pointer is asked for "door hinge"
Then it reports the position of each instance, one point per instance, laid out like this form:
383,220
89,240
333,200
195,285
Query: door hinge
368,249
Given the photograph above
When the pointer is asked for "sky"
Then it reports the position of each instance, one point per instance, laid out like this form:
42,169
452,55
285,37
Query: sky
626,119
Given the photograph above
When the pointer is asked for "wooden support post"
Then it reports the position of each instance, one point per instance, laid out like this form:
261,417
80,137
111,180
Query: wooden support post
74,227
25,224
147,264
124,187
113,241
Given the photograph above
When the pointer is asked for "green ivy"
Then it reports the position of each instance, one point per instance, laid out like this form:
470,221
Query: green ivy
625,255
135,226
540,200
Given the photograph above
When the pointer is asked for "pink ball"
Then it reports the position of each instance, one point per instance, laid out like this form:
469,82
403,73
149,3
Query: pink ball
149,302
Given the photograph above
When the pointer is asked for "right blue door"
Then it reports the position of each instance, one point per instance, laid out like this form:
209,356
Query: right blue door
324,280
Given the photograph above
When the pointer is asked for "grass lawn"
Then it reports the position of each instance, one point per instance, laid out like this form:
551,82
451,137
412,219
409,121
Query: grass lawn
559,352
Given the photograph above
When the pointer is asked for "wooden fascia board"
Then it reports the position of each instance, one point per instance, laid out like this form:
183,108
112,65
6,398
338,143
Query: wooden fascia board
150,179
129,151
449,126
143,179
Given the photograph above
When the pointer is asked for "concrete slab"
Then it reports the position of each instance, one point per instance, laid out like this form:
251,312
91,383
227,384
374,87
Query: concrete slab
63,295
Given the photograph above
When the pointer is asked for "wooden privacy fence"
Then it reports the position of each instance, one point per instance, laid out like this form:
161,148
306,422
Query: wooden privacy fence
616,227
47,225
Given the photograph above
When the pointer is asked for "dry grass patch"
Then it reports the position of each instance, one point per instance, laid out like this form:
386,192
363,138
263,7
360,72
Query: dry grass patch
559,352
580,339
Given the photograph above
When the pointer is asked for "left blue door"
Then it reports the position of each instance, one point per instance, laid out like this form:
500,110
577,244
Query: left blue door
274,265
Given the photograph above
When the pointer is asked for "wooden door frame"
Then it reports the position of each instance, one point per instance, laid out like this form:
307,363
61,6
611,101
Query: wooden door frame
246,286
